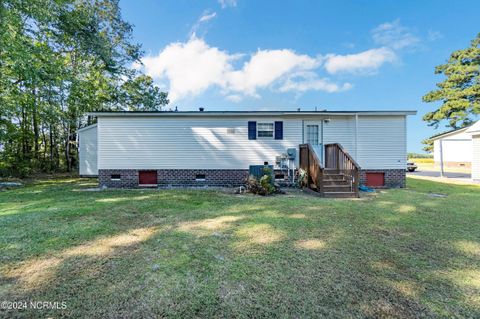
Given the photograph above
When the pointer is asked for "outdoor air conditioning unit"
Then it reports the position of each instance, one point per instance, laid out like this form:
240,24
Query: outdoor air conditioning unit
291,153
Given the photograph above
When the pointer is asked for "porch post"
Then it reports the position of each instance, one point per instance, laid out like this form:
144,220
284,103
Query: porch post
441,158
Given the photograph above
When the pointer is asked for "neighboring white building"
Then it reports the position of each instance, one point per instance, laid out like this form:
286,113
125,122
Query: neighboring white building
474,131
455,147
217,148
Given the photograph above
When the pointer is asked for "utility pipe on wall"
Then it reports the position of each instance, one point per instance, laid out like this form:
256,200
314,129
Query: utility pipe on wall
356,137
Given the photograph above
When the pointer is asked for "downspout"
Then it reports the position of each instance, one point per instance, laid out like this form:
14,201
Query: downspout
98,148
303,131
322,123
356,137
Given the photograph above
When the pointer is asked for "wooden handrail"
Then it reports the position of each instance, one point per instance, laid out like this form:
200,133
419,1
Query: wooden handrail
346,153
311,150
310,162
338,159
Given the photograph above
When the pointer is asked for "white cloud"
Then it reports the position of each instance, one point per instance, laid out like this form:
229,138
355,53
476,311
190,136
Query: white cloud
234,98
394,35
189,68
310,81
391,37
137,65
366,62
434,35
192,67
265,67
204,18
227,3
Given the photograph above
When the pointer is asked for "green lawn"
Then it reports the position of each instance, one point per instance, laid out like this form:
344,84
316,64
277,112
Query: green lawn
200,253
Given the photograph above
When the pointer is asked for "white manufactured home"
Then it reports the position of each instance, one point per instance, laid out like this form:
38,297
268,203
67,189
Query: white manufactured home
128,149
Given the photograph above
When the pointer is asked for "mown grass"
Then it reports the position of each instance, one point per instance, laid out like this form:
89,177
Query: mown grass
203,253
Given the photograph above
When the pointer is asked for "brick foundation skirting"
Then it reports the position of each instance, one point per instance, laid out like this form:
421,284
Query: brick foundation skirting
128,178
174,177
213,177
394,178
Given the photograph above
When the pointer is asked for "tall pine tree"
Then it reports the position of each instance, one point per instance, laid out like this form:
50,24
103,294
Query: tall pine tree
460,91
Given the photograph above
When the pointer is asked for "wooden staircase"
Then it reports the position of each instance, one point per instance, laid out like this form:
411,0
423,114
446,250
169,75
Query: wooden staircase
340,176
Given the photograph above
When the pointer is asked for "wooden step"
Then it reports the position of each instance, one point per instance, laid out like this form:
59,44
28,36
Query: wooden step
331,172
340,194
341,182
330,177
337,188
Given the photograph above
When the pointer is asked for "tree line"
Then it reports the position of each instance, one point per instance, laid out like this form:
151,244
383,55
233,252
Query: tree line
58,60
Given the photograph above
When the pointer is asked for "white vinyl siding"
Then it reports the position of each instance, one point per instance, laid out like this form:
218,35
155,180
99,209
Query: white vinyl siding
382,142
476,158
88,151
222,142
340,129
189,143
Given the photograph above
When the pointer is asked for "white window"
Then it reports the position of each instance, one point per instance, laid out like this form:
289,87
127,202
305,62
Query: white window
312,134
265,130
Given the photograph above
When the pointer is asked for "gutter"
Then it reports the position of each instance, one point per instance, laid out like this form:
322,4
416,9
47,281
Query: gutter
247,114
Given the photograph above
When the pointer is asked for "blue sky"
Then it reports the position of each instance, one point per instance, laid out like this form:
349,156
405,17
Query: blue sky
282,55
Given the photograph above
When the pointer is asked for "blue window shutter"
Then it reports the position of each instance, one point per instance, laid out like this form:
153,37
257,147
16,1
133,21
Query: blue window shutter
279,130
252,130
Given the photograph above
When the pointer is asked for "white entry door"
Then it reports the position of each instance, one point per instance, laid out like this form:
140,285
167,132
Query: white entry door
314,136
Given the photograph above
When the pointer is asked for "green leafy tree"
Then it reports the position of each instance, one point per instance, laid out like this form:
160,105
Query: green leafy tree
141,94
459,93
58,61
